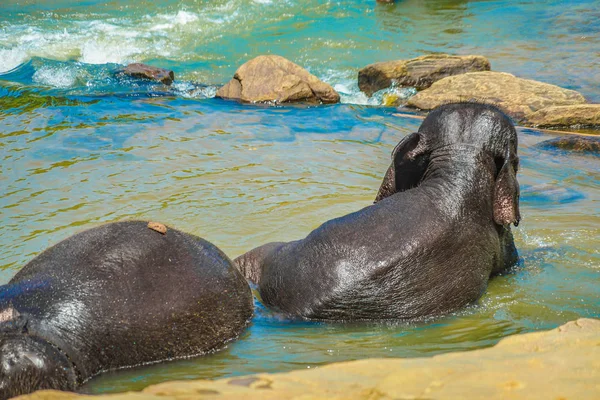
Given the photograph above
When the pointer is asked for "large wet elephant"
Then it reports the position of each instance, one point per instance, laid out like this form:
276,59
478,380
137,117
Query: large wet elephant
440,227
119,295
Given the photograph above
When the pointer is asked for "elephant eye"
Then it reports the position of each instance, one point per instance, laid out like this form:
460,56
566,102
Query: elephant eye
499,161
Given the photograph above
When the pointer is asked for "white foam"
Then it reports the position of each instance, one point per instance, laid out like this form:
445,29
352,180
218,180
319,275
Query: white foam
344,82
190,91
100,26
171,21
102,52
115,40
358,98
60,77
162,27
11,58
351,94
184,17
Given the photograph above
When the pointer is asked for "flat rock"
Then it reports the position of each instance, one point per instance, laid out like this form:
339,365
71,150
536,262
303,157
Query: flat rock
418,72
517,97
273,78
557,364
575,143
144,71
575,116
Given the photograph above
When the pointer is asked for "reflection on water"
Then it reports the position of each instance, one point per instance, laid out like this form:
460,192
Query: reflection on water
241,176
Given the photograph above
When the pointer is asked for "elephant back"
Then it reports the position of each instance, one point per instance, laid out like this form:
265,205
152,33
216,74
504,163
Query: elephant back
122,295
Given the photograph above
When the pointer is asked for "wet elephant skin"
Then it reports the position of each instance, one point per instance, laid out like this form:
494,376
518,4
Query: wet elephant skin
440,227
115,296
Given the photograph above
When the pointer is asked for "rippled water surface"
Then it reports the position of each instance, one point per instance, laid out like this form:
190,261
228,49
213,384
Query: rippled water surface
80,146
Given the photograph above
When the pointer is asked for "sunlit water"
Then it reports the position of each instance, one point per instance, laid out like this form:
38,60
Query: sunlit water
79,147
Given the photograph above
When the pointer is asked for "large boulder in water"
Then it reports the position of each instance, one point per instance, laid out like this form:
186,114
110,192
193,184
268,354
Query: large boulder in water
576,116
274,78
575,143
418,72
143,71
516,96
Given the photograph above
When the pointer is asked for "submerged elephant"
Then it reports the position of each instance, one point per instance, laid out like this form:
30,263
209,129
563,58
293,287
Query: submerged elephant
115,296
440,227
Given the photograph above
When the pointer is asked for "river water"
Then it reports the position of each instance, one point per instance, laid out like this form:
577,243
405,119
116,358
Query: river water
80,146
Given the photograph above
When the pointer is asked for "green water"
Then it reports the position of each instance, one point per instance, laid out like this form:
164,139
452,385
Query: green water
79,147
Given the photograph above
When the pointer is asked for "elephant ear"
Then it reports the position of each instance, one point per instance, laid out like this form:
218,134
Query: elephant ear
409,162
506,196
388,187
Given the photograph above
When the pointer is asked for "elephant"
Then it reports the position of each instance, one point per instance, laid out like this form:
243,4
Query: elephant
119,295
438,230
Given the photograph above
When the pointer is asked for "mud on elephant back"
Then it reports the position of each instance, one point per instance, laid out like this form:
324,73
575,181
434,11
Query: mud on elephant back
119,295
440,227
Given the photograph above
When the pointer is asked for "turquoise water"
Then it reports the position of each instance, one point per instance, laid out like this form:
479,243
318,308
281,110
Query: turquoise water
75,48
79,146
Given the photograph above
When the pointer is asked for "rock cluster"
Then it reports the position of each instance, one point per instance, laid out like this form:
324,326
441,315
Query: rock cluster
443,78
558,364
439,78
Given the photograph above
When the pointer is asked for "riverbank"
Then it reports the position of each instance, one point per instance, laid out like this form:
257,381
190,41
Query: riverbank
558,364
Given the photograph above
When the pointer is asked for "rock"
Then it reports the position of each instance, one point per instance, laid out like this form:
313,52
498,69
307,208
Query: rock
576,116
516,96
144,71
158,227
274,78
557,364
418,72
576,143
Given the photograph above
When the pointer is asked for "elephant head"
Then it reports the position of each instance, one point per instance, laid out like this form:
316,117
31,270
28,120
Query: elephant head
445,134
27,364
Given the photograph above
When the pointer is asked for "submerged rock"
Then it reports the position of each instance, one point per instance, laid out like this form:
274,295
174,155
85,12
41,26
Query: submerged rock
576,143
576,116
144,71
274,78
418,72
516,96
557,364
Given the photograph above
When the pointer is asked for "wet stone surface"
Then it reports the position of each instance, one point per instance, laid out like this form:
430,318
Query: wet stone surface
143,71
578,144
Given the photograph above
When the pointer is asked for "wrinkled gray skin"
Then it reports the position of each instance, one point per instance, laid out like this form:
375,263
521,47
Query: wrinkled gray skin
115,296
440,227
